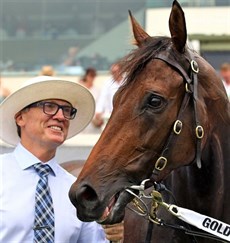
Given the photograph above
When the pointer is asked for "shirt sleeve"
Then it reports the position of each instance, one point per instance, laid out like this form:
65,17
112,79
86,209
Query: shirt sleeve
92,233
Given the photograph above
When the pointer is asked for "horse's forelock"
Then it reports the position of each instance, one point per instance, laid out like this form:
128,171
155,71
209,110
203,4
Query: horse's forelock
136,61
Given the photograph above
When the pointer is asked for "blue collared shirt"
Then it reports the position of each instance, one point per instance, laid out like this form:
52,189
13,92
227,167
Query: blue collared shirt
17,200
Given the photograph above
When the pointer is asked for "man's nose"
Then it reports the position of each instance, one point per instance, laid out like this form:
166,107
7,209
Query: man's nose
59,114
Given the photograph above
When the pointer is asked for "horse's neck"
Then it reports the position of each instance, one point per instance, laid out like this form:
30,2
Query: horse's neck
216,153
206,190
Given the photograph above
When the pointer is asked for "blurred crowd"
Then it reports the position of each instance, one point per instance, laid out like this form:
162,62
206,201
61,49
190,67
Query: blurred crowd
69,63
104,95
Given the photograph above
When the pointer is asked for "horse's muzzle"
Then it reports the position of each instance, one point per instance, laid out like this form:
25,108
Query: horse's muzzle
91,208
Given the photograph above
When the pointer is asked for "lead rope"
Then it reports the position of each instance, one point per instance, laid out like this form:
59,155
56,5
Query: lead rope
161,187
142,209
195,219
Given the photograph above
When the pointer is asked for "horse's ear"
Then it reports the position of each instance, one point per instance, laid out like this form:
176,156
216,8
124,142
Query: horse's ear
177,26
139,34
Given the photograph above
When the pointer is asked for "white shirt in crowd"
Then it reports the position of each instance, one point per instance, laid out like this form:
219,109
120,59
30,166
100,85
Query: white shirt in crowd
105,100
227,87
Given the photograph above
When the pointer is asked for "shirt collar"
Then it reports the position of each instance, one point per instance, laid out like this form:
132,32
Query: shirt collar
26,159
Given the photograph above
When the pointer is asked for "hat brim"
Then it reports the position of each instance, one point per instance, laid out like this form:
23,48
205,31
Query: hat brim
41,88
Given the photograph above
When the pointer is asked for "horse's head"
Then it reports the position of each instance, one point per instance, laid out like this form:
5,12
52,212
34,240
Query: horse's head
160,121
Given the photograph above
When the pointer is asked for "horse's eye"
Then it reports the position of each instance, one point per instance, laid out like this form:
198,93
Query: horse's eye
155,101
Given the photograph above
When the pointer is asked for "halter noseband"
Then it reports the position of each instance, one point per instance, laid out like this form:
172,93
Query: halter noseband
191,86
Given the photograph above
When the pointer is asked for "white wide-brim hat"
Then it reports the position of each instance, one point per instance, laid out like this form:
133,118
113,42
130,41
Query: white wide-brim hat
42,88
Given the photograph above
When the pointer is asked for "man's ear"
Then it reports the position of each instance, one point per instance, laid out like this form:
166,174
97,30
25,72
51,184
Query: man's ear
19,118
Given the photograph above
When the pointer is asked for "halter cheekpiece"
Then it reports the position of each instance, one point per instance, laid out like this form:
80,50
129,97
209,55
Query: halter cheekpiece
191,86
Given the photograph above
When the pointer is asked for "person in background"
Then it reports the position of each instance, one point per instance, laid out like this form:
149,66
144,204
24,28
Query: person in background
225,75
34,202
47,71
4,92
104,105
88,79
70,59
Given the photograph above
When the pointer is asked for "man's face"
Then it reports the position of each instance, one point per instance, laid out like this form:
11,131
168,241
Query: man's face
40,129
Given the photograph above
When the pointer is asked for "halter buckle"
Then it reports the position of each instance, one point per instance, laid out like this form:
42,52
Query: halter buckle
199,132
160,163
188,88
177,127
155,220
194,66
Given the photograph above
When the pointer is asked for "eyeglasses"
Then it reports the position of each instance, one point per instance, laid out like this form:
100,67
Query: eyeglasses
52,109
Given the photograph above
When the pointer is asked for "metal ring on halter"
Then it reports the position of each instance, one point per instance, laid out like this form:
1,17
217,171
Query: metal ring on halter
140,187
187,89
161,163
194,66
199,132
155,221
142,208
177,127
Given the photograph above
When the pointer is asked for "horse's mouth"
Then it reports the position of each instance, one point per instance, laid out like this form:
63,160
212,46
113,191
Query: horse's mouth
115,211
109,208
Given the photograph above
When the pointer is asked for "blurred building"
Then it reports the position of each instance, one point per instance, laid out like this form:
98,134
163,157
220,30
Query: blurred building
34,33
208,25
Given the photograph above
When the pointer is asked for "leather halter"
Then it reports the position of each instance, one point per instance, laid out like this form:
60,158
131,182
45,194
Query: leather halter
191,86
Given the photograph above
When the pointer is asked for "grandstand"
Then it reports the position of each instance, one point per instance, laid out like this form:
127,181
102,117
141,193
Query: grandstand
34,33
40,32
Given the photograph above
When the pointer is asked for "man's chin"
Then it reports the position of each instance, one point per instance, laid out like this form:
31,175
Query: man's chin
56,140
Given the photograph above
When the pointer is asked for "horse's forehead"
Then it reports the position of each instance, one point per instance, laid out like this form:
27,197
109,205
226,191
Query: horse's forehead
159,77
164,73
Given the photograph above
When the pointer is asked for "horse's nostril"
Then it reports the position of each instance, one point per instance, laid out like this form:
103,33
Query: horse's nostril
88,194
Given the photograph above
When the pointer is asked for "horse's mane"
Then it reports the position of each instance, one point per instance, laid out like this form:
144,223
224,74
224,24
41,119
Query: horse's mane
213,92
136,60
212,88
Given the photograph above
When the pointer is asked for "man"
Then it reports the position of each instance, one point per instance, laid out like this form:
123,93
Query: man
37,119
88,80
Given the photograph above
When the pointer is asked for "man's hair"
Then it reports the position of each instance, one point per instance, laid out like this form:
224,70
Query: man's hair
18,130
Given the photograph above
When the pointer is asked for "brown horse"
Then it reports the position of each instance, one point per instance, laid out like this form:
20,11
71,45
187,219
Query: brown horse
171,123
